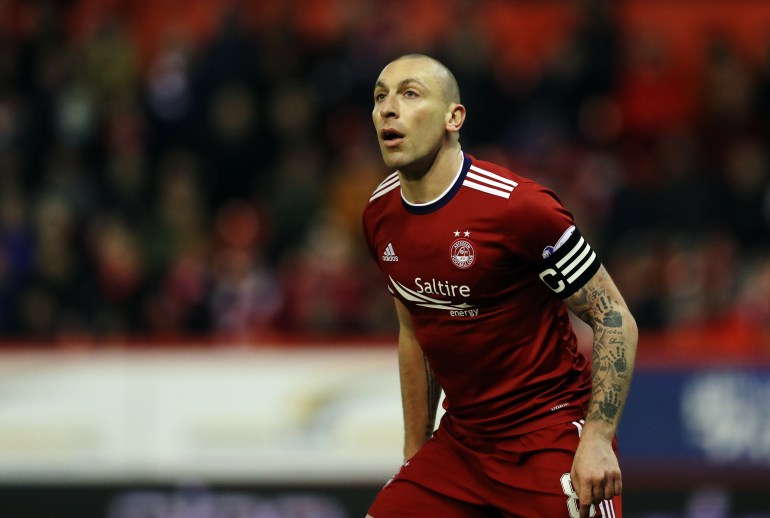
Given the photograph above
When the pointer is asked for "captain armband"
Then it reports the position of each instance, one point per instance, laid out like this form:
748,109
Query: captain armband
569,264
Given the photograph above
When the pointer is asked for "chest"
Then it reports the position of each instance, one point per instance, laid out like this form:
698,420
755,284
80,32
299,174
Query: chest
440,259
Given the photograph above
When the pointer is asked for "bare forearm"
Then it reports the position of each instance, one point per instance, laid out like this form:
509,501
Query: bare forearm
614,350
419,394
613,362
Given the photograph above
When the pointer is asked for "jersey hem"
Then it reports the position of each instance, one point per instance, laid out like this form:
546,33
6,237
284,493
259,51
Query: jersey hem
454,425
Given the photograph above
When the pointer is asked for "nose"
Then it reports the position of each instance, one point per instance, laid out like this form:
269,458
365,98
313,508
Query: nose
388,108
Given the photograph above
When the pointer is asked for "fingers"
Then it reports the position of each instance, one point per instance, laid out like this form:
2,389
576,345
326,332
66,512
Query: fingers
602,489
596,491
585,498
612,487
605,490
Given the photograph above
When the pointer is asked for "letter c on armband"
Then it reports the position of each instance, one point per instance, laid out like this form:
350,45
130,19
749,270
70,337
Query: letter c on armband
551,278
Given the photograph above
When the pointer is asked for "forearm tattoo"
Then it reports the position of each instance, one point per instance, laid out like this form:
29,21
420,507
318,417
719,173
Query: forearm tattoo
611,366
433,393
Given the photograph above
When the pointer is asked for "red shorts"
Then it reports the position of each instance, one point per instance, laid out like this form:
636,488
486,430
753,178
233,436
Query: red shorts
460,477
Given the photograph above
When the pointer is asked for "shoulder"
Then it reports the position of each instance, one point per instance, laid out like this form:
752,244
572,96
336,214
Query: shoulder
378,204
491,179
523,194
533,216
389,184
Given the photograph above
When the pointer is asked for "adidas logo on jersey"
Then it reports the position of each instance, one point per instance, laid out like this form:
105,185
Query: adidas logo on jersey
389,255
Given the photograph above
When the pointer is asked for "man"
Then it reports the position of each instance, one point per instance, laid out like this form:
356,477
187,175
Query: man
483,265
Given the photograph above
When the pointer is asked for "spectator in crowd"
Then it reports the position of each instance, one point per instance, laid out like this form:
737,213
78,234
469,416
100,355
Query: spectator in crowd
127,132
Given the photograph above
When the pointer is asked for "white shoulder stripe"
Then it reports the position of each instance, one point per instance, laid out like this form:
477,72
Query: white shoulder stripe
489,190
382,192
487,181
387,182
494,176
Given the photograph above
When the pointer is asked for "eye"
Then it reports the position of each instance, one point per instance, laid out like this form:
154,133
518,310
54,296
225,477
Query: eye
378,97
411,93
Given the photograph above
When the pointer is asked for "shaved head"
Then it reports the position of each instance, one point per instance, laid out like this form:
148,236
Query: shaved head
449,86
417,114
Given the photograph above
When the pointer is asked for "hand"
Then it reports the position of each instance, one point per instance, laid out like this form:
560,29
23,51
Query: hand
595,472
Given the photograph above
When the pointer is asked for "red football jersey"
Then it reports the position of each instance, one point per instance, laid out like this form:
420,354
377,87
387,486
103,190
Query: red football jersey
483,270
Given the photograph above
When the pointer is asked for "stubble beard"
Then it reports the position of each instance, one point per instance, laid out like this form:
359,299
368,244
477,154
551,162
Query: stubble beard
416,169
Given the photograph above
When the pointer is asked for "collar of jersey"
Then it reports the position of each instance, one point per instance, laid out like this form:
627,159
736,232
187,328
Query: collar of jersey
445,197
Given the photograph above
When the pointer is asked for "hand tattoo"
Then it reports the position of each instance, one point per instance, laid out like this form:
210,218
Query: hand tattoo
610,316
619,360
609,407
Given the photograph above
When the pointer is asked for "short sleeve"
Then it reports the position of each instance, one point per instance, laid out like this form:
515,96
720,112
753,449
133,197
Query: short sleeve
550,242
570,264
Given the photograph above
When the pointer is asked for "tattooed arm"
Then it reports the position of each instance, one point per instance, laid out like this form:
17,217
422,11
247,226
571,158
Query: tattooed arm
419,389
595,470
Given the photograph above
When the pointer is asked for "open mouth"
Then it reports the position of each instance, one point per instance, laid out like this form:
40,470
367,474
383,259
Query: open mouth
391,137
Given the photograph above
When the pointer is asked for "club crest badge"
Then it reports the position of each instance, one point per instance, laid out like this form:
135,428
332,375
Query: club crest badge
462,253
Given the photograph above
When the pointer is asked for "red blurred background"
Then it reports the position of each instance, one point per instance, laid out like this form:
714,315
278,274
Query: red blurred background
192,171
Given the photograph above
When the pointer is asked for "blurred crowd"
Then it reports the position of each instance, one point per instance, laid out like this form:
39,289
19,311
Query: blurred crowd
186,169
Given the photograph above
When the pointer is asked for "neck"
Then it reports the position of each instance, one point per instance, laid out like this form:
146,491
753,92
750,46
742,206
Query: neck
425,184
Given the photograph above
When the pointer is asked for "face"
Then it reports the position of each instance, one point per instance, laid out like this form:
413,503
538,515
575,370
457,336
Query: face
411,114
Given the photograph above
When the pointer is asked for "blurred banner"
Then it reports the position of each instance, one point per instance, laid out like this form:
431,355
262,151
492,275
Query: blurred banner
712,419
270,415
314,432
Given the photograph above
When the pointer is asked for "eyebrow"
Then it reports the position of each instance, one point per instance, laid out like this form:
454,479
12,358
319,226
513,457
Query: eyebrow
404,82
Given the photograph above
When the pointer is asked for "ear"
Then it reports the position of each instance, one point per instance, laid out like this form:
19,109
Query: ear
455,117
